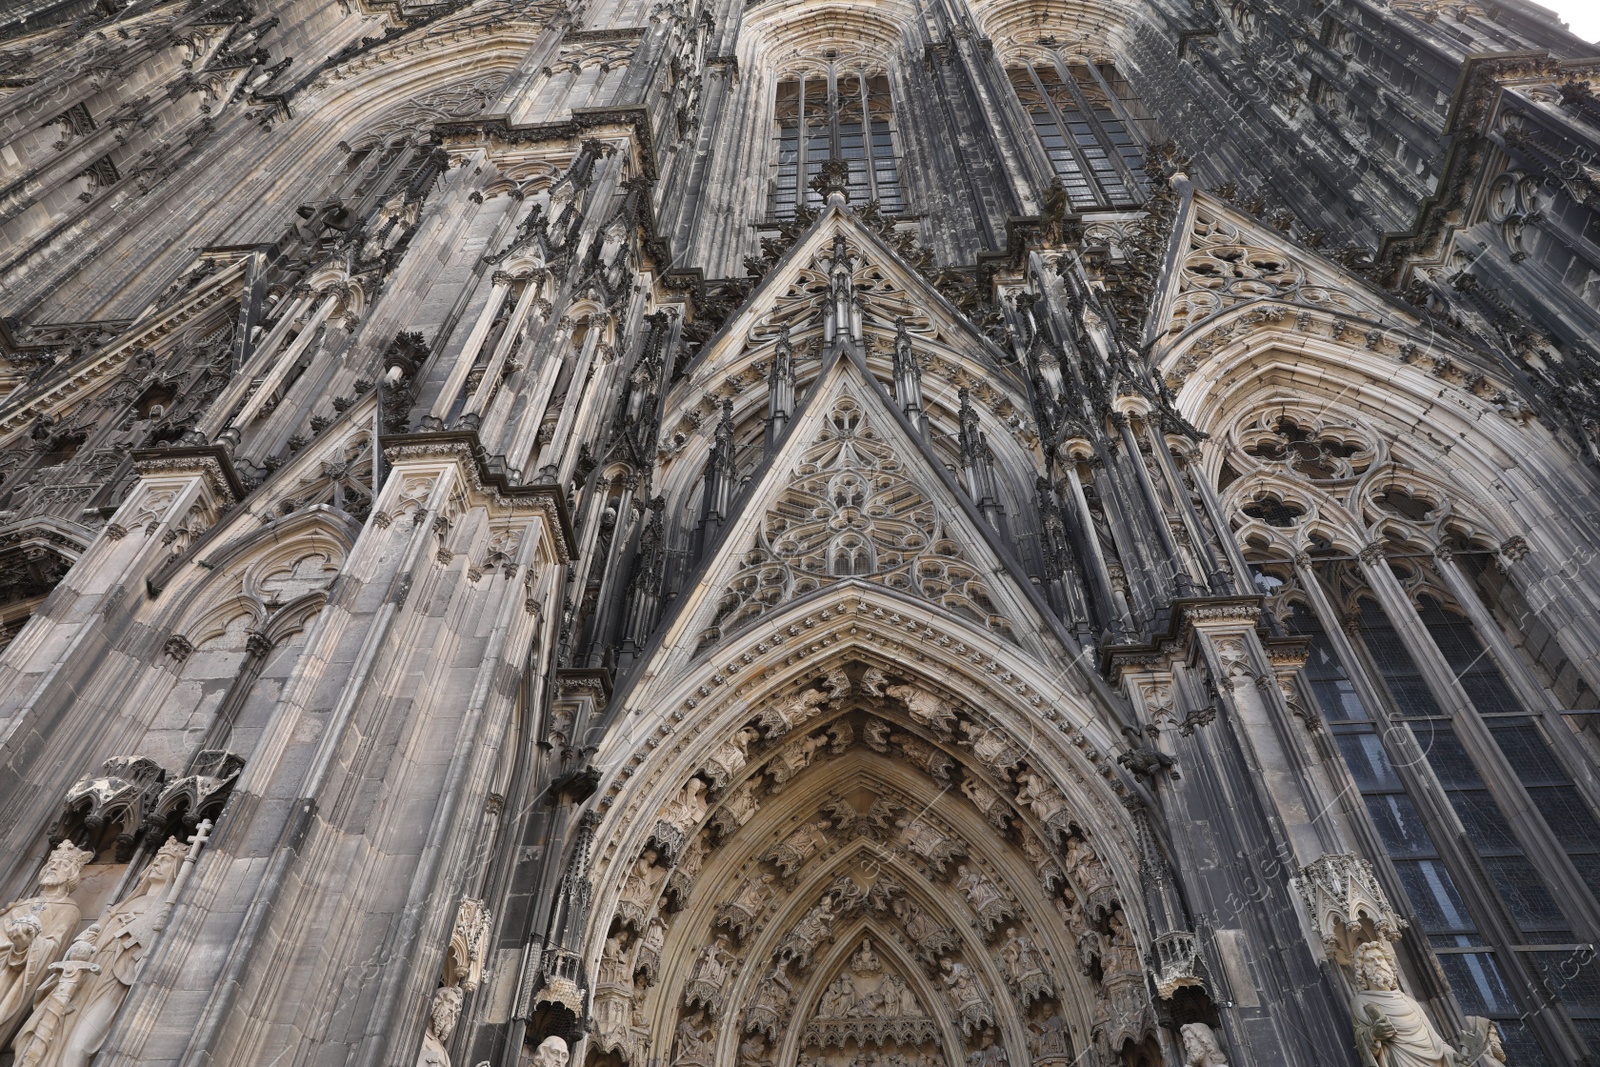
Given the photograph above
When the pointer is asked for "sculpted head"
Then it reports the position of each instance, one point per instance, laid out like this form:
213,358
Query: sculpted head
1375,967
63,868
552,1052
1200,1046
445,1012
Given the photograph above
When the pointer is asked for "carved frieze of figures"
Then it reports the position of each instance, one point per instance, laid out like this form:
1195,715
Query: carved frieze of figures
992,748
1089,875
679,817
1391,1028
710,973
724,764
967,998
741,912
925,708
35,931
931,843
869,1005
985,899
793,759
779,718
1026,969
1200,1048
1046,803
793,851
928,939
639,888
767,1010
739,808
68,1025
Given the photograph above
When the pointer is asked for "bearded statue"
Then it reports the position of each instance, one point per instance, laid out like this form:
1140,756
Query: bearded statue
33,933
552,1052
1200,1048
1391,1029
443,1014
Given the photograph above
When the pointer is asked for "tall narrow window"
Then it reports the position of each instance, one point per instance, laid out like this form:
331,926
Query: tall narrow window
1086,131
837,115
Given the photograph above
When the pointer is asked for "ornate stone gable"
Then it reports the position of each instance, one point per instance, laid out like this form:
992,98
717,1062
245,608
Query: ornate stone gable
852,510
848,498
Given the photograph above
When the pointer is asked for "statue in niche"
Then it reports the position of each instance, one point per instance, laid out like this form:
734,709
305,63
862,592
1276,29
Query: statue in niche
678,818
1025,966
814,927
552,1052
740,807
124,934
987,801
925,708
638,897
614,968
753,1052
1051,1041
971,1005
729,758
767,1010
786,765
1089,874
694,1039
1048,805
1200,1048
740,913
983,896
780,718
648,959
710,972
1120,953
1391,1029
800,846
1050,873
931,759
993,748
34,931
989,1055
926,935
932,844
443,1014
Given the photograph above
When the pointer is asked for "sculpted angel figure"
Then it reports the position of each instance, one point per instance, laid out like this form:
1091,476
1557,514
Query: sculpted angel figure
972,1006
34,931
1025,966
1391,1029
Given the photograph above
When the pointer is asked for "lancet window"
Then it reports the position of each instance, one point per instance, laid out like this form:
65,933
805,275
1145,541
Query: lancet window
1460,763
1086,128
836,114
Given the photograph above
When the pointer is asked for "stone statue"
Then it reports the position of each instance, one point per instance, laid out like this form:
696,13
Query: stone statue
443,1014
614,969
552,1052
984,897
125,933
1480,1043
638,897
50,1011
1200,1047
1391,1029
971,1004
34,931
800,846
740,913
679,817
1121,954
709,974
729,758
925,708
1025,967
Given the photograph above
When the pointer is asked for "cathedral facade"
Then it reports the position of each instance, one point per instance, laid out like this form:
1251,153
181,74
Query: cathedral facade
799,533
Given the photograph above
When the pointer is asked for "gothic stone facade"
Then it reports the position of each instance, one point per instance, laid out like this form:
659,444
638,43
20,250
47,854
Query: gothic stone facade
799,533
